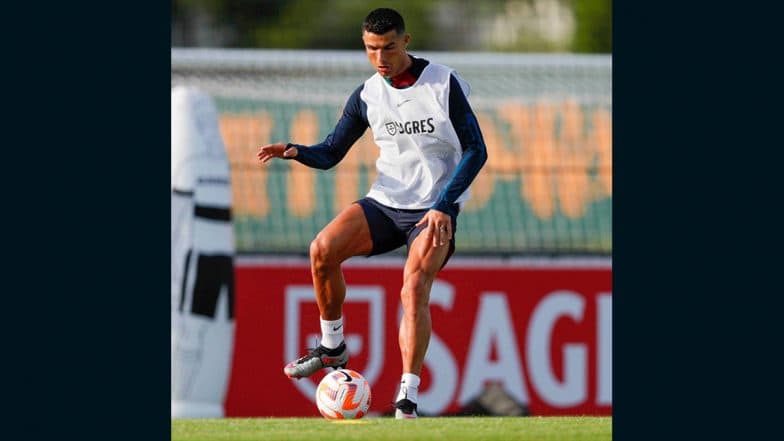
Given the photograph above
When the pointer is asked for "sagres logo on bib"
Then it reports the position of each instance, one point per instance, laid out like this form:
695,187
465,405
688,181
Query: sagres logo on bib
415,127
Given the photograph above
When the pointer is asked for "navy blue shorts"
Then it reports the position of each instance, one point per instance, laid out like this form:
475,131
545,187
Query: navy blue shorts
391,228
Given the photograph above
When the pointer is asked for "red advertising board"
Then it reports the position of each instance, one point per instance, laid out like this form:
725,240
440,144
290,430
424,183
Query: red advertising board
543,331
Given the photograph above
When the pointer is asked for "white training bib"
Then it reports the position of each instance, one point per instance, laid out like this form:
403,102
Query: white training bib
419,147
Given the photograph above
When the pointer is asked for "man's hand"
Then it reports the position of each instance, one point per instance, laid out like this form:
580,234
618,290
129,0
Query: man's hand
439,227
278,150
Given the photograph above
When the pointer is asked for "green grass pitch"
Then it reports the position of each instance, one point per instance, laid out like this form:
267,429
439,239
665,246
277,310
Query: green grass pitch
386,428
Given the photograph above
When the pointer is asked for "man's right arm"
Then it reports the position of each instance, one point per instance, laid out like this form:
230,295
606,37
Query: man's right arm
352,124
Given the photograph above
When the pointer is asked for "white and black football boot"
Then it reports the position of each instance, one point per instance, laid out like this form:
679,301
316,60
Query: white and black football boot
317,358
405,409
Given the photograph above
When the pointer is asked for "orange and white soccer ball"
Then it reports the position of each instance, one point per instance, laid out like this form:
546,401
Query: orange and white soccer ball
343,394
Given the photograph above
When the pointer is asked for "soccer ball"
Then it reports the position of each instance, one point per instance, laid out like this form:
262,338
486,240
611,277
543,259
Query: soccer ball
343,394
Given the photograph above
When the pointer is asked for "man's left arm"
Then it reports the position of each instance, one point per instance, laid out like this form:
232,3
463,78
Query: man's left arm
474,157
471,141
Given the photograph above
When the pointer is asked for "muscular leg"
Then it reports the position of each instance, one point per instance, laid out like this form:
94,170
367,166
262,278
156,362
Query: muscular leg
346,236
423,263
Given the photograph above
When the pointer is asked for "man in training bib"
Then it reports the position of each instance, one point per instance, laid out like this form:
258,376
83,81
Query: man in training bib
431,149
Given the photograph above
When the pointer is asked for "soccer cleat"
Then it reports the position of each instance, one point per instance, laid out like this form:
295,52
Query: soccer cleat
316,359
405,409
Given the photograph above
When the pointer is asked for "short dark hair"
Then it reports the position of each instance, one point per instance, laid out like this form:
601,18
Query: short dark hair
382,20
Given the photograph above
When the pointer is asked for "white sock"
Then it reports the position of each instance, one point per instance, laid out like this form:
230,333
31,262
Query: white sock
331,333
409,386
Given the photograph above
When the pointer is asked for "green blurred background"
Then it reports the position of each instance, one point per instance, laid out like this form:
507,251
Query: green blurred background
576,26
540,72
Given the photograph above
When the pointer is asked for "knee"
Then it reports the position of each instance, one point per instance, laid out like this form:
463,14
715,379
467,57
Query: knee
415,311
322,254
415,293
413,286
